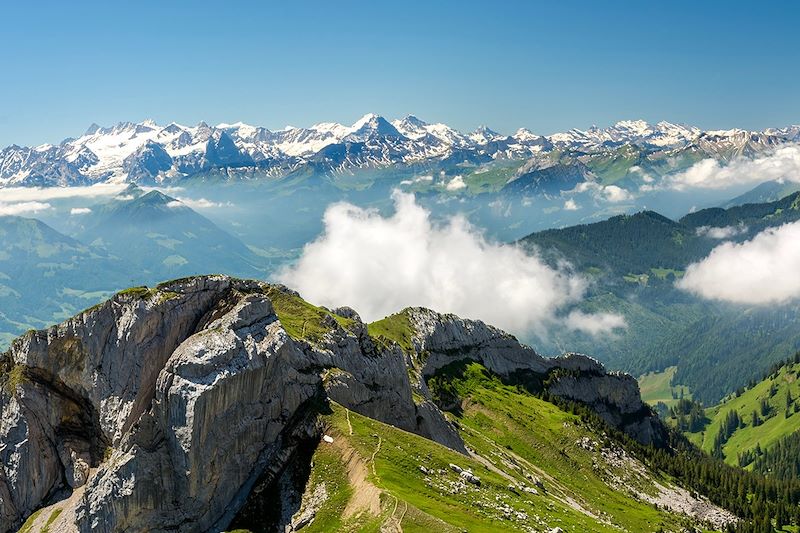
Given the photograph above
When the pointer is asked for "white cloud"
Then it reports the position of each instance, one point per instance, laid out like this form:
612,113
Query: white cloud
456,184
80,211
762,270
169,190
725,232
380,265
571,205
23,208
175,204
594,324
417,179
609,193
647,178
780,164
42,194
586,186
202,203
615,194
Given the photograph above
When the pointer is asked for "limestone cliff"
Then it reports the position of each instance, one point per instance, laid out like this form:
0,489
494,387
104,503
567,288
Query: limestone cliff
167,406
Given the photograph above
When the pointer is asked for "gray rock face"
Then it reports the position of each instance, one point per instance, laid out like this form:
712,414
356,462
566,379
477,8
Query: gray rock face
575,377
185,396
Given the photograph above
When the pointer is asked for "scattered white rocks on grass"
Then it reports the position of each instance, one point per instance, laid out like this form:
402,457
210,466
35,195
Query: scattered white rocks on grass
624,472
521,487
470,477
587,444
328,439
680,500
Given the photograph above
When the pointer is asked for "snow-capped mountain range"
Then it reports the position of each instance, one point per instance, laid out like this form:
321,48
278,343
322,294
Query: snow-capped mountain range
146,152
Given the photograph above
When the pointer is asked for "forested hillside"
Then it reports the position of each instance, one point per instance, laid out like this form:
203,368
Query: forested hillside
633,262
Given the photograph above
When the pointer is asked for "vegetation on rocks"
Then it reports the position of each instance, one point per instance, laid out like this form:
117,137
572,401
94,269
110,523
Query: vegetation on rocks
15,377
300,319
395,328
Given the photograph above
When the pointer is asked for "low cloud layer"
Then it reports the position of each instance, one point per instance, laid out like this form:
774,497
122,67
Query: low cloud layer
782,164
199,203
615,194
608,193
763,270
456,184
42,194
379,265
594,324
23,208
725,232
418,179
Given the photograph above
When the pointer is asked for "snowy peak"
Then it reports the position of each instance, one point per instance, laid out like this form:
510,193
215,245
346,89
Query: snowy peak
411,121
484,135
146,152
663,134
368,119
411,127
371,126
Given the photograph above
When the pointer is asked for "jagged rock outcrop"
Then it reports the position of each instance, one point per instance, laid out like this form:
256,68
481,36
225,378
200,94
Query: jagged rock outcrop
183,398
576,377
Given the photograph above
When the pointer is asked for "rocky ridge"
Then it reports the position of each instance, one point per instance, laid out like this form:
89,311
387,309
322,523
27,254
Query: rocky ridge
165,407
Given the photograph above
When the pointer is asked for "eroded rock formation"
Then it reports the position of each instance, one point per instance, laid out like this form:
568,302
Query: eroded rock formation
168,405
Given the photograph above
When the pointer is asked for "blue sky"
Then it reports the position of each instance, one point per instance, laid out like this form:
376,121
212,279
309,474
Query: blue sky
541,66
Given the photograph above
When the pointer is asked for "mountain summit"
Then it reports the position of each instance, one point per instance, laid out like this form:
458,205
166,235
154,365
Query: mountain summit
148,153
211,402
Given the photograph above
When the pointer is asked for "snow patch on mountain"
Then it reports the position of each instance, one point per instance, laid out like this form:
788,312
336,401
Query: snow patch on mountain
146,152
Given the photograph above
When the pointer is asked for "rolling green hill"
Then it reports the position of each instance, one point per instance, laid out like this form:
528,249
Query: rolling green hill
768,191
754,420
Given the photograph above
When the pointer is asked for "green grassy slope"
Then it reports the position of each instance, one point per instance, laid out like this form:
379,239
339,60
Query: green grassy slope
657,387
540,468
491,178
777,417
779,420
394,328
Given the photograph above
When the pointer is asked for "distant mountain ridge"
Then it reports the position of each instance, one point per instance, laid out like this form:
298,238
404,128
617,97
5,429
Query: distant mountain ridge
137,237
633,262
147,152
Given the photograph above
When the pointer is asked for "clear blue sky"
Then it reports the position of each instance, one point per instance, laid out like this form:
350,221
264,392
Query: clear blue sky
507,65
